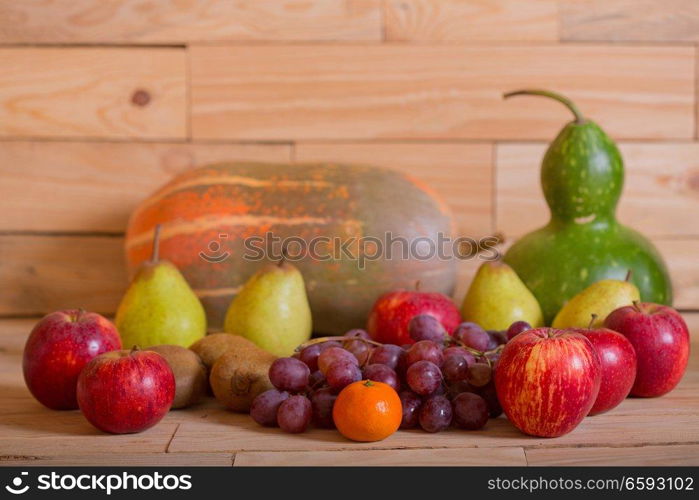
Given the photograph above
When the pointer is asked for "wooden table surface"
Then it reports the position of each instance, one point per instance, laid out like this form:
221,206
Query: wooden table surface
661,431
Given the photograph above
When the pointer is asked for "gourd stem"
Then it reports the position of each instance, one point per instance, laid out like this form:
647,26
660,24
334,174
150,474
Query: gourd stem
579,118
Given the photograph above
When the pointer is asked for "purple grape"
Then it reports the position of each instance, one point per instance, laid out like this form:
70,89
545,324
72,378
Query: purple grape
490,395
455,368
458,387
309,355
387,354
435,414
342,373
328,344
516,328
322,403
360,350
424,350
411,403
500,337
358,332
479,374
382,373
424,377
493,341
264,407
426,327
459,351
317,379
333,355
473,336
294,414
289,374
470,411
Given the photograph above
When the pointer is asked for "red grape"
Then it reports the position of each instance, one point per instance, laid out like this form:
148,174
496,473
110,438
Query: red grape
358,332
458,387
382,373
360,350
309,355
294,414
490,395
470,411
289,374
459,351
435,414
424,377
411,403
264,407
473,336
424,350
342,373
493,341
500,337
317,379
322,403
426,327
455,368
479,374
333,355
516,328
387,354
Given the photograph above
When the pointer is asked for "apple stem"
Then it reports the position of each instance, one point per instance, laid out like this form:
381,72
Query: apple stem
629,273
593,318
134,349
418,284
155,253
636,306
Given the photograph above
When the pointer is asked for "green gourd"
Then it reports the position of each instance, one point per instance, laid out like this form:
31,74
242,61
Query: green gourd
582,175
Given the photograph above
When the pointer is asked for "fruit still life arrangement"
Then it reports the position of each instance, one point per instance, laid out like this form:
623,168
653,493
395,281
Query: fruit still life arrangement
573,320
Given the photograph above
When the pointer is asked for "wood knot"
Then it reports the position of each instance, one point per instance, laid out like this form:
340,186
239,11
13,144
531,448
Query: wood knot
140,98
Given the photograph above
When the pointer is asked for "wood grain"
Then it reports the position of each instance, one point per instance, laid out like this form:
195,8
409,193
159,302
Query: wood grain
127,459
135,21
40,274
679,454
629,20
661,185
88,92
471,21
436,92
681,259
461,174
372,458
93,186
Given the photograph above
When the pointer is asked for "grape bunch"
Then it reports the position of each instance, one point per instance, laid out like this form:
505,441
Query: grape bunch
442,379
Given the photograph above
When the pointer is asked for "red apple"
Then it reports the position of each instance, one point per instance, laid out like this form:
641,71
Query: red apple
58,348
547,380
617,367
660,338
389,318
126,391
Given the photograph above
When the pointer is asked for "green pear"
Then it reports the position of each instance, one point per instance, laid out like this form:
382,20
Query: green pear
272,309
497,298
159,307
600,299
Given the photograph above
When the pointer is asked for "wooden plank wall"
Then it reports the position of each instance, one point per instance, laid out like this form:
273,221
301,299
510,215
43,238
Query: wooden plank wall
101,101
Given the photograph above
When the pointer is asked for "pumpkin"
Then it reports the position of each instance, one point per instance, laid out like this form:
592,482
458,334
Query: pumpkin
212,215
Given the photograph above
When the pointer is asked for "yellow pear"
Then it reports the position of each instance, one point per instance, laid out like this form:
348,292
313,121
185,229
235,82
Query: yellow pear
600,299
497,298
272,309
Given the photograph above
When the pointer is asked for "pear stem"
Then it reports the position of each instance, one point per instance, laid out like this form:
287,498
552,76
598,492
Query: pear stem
579,118
593,318
629,273
155,253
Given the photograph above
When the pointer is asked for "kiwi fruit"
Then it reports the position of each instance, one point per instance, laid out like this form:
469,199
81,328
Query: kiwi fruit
189,371
211,347
240,374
